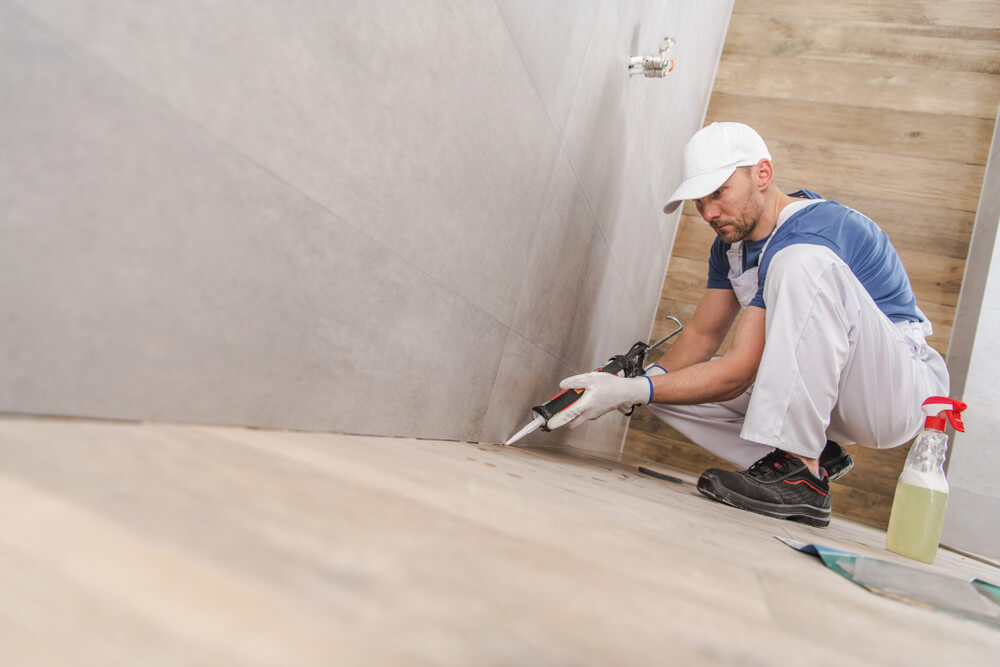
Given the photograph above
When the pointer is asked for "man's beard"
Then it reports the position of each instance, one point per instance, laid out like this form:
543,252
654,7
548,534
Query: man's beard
739,230
744,224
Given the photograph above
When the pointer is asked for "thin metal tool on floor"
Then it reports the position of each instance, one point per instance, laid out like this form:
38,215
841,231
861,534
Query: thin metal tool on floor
631,364
660,475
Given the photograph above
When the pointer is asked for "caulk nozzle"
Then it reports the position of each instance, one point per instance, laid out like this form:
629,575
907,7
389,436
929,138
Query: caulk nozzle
531,427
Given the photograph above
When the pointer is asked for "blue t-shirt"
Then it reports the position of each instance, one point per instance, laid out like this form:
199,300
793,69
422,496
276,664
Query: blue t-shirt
853,237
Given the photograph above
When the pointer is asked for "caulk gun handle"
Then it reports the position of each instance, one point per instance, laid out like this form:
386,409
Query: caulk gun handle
568,397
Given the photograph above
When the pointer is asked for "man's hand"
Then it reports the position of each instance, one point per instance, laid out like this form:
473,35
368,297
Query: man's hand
603,393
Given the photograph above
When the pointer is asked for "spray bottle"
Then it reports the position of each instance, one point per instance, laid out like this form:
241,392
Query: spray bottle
922,491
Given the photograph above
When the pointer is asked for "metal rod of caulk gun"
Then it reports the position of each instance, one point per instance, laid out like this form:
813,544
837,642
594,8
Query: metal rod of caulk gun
566,398
670,335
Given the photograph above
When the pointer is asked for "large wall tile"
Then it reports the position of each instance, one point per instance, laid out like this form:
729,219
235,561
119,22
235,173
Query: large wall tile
608,321
974,451
634,237
568,262
552,39
982,380
166,277
973,522
597,129
333,98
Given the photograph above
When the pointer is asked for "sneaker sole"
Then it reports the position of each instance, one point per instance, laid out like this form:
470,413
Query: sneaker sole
807,514
843,471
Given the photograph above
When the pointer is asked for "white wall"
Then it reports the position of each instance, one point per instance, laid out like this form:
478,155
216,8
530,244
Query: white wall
972,520
404,218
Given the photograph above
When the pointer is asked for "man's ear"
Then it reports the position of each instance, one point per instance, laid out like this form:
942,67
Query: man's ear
765,174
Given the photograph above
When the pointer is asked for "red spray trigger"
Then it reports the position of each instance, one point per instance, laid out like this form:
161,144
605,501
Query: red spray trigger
955,419
939,408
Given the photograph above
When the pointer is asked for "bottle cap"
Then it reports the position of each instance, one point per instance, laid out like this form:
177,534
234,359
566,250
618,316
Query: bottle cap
941,410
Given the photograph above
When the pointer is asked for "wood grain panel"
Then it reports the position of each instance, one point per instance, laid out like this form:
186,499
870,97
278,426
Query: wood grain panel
825,82
687,278
864,506
934,278
878,175
942,318
967,13
966,49
694,239
926,135
683,310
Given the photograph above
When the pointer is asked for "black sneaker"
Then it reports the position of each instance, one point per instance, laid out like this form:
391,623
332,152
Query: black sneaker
835,460
778,485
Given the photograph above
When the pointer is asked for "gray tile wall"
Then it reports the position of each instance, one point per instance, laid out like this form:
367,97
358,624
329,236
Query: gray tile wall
972,520
398,218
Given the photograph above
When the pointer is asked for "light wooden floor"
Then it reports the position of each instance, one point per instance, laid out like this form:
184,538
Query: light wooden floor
149,544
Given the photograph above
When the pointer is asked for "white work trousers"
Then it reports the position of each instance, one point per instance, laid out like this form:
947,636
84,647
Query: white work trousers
834,366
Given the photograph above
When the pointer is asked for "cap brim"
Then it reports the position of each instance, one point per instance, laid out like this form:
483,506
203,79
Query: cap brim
698,186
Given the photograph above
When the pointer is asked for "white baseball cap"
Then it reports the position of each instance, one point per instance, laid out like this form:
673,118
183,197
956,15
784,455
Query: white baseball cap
712,155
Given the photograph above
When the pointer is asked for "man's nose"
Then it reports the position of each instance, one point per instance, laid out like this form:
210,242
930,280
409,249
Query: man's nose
710,211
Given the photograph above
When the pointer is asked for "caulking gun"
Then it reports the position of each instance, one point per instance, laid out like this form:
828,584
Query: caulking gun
630,365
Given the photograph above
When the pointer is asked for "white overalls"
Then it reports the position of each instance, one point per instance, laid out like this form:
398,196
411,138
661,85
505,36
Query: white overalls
834,365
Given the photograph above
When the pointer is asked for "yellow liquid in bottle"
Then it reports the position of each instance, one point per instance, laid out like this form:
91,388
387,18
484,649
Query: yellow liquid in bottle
915,522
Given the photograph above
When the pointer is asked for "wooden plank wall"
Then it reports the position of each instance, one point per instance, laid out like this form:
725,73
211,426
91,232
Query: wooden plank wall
888,108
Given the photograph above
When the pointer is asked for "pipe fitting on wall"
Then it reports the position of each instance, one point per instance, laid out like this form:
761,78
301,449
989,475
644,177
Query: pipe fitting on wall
656,65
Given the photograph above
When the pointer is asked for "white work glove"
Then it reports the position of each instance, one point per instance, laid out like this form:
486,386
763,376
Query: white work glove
654,369
603,393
